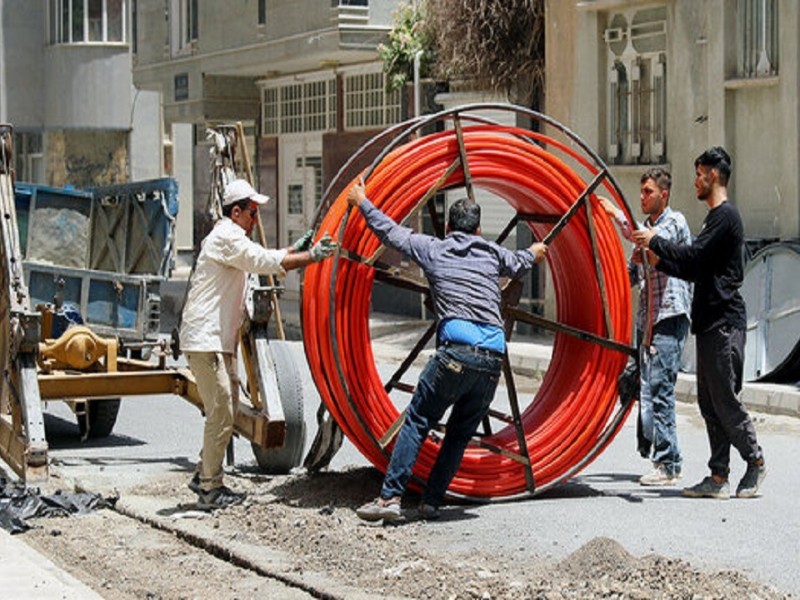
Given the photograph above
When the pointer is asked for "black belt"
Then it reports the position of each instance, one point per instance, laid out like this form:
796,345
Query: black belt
473,349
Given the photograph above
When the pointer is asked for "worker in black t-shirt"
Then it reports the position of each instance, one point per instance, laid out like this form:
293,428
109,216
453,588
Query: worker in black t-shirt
714,263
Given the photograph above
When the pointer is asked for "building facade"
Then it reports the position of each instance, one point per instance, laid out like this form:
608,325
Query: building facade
67,88
302,76
657,82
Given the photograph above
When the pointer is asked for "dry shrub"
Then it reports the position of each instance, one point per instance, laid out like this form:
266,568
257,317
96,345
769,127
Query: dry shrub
493,44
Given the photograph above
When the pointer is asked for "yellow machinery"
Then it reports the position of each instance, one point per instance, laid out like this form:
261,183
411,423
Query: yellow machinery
110,276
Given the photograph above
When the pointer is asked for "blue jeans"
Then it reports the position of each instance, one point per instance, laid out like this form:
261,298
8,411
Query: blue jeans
659,366
459,376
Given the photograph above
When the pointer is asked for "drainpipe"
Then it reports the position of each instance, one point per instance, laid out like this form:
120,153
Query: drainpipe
417,91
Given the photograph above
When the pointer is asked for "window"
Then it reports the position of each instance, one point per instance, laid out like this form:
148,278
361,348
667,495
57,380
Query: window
757,35
295,204
262,12
315,163
366,103
183,25
134,26
636,115
29,157
86,21
299,107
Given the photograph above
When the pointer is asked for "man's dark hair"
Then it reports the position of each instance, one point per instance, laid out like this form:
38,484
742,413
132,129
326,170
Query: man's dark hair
716,158
243,204
660,176
464,216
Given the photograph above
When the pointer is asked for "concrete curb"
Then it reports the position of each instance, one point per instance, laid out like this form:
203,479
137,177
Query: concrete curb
265,561
28,574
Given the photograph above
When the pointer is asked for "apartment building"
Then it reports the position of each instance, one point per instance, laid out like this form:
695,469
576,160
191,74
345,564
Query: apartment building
67,88
302,76
657,82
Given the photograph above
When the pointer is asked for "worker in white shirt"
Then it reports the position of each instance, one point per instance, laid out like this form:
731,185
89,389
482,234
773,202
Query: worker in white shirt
212,317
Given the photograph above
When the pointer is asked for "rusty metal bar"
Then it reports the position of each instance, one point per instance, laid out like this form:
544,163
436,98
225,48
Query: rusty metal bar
531,319
424,200
567,216
409,360
513,401
462,151
599,270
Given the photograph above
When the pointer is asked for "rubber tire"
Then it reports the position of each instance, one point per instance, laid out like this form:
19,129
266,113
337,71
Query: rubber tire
101,415
279,461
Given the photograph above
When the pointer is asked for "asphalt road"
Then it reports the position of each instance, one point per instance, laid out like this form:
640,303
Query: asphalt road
758,537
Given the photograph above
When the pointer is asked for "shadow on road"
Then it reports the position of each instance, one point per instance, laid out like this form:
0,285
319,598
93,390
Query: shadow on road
63,434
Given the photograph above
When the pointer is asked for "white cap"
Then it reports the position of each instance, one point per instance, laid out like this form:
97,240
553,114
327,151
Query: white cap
239,189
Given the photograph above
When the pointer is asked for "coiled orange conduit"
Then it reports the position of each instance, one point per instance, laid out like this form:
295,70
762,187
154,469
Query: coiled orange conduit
575,413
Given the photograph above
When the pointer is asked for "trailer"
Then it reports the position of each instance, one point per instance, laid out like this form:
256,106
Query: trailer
80,272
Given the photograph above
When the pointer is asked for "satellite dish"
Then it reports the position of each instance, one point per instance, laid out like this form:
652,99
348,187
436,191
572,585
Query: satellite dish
771,290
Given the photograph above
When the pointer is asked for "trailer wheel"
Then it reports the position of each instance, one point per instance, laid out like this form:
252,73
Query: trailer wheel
98,418
279,461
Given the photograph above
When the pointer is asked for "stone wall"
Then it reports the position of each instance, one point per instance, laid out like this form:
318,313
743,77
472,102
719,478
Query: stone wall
87,158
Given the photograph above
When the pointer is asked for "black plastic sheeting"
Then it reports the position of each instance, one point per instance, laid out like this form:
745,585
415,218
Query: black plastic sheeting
19,503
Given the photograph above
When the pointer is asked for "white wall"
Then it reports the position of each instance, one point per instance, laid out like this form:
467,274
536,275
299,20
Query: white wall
87,87
183,158
145,147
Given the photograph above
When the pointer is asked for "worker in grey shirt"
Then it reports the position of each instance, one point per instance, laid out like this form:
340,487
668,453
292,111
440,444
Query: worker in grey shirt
463,271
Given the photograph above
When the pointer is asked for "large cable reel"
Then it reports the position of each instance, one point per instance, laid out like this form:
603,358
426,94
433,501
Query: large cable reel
549,177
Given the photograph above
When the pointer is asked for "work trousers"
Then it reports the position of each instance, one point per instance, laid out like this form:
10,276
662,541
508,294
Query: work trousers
463,377
218,383
720,362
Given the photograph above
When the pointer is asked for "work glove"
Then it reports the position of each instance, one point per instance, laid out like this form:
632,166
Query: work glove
304,242
324,248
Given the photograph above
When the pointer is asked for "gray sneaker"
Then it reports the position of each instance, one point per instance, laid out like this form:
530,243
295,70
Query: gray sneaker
220,497
380,510
752,480
428,512
708,488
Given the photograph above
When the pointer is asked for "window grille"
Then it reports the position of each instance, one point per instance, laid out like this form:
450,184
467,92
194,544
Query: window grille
367,105
637,86
299,107
757,34
86,21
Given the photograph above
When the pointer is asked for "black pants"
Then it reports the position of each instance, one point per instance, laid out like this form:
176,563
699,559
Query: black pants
720,362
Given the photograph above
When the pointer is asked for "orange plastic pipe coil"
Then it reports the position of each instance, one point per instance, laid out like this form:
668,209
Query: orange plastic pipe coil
575,413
